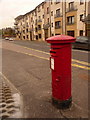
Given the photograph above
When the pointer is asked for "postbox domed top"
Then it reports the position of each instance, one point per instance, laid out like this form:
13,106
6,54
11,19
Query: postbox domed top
61,39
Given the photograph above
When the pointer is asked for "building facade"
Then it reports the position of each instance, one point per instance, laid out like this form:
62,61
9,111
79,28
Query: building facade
54,17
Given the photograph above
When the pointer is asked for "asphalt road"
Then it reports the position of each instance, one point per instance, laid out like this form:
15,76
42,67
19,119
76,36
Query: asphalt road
28,70
44,46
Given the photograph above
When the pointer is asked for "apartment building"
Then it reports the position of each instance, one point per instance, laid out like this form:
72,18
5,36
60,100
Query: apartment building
54,17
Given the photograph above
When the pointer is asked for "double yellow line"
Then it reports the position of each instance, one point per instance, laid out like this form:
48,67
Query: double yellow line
84,65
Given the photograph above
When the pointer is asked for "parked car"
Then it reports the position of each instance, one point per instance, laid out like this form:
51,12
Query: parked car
6,38
10,39
82,42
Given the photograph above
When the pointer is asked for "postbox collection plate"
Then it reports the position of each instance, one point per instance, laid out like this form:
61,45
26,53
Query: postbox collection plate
52,63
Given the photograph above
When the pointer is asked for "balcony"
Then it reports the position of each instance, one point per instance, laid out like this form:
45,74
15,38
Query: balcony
73,8
31,29
46,26
86,19
39,20
38,28
58,15
72,23
57,27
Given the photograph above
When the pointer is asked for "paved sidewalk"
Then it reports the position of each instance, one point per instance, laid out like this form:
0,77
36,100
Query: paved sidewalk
10,100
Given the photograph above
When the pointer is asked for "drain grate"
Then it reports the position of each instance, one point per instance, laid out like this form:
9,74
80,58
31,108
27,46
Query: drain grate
8,107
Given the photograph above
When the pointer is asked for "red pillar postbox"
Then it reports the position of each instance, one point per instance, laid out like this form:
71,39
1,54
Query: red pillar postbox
60,63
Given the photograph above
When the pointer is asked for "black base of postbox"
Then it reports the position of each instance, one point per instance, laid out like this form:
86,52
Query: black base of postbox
62,104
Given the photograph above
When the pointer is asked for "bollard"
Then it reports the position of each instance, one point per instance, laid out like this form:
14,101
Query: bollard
60,64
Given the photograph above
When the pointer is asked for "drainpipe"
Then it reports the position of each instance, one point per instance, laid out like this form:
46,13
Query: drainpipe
64,17
50,16
84,18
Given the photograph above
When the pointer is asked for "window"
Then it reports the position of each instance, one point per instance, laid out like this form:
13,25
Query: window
52,24
71,5
36,37
36,22
57,34
48,20
48,10
57,24
39,27
58,11
52,13
40,36
31,19
23,37
39,17
71,33
43,16
26,24
42,6
38,9
36,29
51,2
57,1
26,30
27,36
81,2
81,33
70,20
23,31
81,17
35,13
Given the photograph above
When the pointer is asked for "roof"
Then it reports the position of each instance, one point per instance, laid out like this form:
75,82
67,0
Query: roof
19,17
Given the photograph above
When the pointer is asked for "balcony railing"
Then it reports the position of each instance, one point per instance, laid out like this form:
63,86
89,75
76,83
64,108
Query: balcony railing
31,29
38,28
58,15
39,20
57,27
71,23
73,8
46,26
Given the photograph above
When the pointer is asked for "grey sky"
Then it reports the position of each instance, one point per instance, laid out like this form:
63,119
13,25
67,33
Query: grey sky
9,9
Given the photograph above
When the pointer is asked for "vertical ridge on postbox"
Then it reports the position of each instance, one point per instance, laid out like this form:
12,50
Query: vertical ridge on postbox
60,61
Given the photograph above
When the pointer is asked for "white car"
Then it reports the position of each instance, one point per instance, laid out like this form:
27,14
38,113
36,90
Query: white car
6,38
10,39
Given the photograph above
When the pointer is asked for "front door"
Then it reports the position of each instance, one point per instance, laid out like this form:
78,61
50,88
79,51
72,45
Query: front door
31,36
46,34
